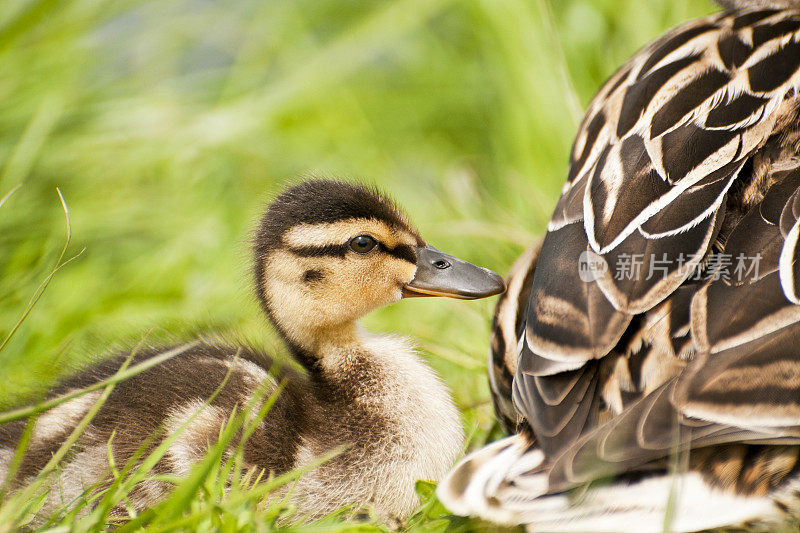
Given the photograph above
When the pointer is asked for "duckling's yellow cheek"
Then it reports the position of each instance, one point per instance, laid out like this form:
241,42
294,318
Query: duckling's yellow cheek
406,271
388,278
367,282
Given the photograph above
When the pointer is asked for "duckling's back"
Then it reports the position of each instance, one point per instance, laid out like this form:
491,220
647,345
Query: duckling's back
186,401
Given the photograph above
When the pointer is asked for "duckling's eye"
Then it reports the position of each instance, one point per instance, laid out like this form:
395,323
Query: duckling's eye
363,244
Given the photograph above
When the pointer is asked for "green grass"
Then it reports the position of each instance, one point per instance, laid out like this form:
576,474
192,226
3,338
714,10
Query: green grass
168,125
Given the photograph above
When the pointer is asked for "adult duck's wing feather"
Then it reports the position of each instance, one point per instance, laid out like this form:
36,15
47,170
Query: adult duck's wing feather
755,385
748,373
764,302
565,405
568,321
744,384
764,242
653,162
789,265
647,431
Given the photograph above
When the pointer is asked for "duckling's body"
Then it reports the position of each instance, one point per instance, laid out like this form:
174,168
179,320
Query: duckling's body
371,394
400,418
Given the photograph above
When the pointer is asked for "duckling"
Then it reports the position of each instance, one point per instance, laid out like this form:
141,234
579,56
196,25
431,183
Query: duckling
653,338
325,254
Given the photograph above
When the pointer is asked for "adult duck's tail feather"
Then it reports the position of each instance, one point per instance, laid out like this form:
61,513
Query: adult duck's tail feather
676,502
506,483
491,482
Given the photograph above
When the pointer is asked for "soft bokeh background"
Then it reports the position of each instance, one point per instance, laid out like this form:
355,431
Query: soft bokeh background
168,125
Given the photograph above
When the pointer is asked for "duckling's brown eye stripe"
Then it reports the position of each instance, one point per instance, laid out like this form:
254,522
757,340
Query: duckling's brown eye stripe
401,251
329,250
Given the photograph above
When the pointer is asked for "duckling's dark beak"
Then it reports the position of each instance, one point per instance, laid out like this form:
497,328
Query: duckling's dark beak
439,274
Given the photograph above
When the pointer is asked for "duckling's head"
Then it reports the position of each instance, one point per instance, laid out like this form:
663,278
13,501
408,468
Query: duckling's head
328,252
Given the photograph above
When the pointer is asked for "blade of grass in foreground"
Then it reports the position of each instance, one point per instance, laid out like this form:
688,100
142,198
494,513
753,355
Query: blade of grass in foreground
678,465
9,193
16,461
122,375
43,286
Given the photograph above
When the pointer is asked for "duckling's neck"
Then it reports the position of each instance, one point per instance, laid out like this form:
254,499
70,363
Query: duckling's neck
372,370
315,346
339,349
380,380
356,363
334,340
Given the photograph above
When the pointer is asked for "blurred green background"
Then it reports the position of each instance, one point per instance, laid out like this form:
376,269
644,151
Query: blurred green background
168,126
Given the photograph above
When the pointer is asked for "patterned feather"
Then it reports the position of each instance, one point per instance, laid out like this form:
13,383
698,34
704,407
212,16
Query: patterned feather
506,329
663,317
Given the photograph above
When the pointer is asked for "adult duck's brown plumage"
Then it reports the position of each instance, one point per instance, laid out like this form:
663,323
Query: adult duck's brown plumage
325,254
661,311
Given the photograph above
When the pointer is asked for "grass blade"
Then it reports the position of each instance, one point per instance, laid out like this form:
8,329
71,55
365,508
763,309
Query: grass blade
43,286
121,375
